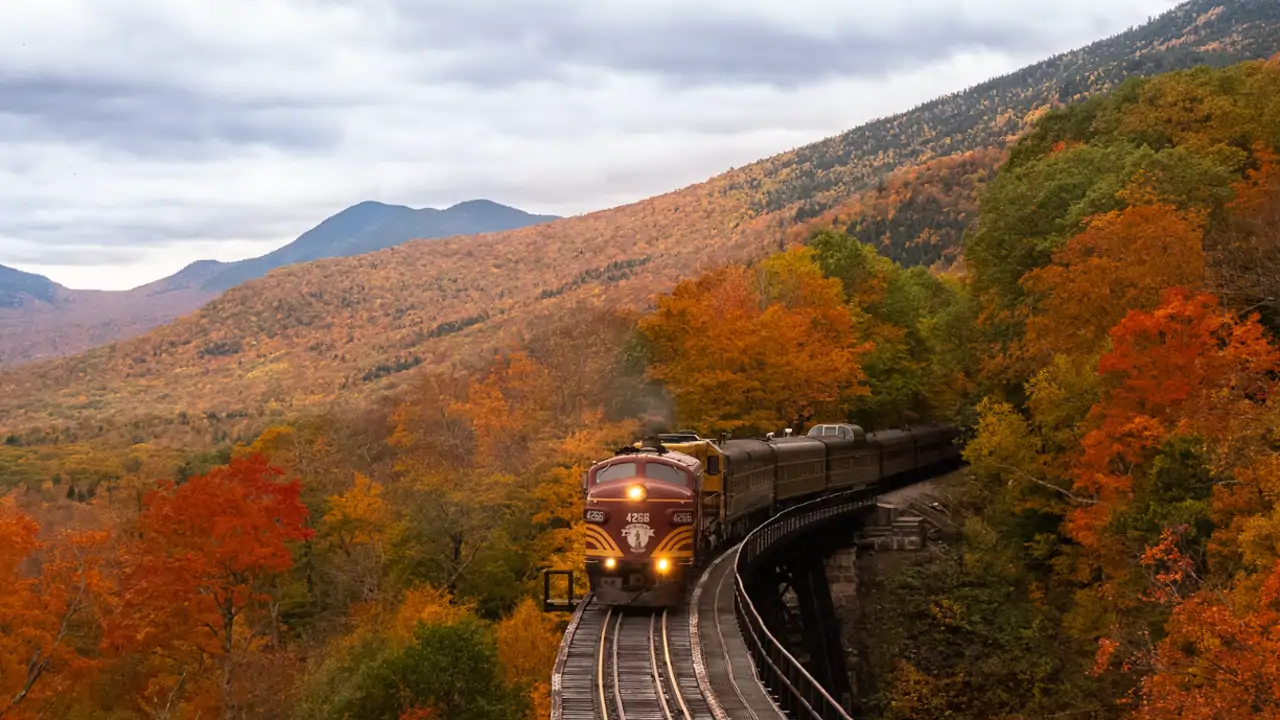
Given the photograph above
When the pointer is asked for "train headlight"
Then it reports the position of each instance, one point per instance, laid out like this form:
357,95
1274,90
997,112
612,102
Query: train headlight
663,565
610,563
636,493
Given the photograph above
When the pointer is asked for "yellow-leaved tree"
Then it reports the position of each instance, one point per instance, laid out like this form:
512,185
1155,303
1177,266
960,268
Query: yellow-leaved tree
528,640
357,526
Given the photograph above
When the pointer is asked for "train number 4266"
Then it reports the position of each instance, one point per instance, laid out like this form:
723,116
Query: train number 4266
637,517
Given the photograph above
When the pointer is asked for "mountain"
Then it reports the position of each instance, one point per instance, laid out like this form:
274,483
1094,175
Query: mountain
18,288
372,226
40,319
365,325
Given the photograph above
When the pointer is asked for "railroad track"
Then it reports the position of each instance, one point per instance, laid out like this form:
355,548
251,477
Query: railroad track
628,665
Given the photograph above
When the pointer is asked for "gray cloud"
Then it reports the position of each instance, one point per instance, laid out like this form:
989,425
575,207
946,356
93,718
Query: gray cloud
159,120
499,46
139,135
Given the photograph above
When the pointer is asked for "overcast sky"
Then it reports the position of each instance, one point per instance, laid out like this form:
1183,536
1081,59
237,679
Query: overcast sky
137,136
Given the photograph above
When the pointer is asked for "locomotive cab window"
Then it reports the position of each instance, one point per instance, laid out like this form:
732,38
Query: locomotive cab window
665,473
619,471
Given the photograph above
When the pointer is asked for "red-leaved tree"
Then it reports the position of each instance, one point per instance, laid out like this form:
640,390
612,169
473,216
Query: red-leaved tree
194,574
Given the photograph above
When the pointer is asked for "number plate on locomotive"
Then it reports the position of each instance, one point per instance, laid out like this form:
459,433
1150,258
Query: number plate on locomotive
682,517
595,516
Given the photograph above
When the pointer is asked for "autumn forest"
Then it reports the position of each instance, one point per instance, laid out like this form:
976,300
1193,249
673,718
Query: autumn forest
1097,302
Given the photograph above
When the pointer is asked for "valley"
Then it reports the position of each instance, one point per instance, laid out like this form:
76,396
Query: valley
40,319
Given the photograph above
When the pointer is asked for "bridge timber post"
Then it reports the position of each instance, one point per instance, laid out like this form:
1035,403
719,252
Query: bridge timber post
820,626
810,631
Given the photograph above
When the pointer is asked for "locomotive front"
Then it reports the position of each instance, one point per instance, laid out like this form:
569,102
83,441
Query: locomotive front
641,515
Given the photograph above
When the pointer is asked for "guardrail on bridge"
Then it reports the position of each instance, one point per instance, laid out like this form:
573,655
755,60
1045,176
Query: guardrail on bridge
797,691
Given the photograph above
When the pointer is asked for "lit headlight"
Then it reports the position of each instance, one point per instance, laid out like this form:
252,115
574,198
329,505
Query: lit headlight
610,563
636,493
663,565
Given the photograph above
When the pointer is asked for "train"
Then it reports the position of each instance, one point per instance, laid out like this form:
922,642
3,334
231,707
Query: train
656,510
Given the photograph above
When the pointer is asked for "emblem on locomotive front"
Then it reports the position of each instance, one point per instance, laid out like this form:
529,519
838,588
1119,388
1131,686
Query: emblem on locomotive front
638,536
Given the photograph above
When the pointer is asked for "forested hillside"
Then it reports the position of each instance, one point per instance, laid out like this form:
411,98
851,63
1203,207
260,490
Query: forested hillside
1118,556
17,287
915,216
1200,32
40,319
360,325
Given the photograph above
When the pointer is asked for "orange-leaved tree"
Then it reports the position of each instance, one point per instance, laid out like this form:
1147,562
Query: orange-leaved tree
44,612
755,348
1244,252
558,491
508,411
528,640
194,578
1218,659
1122,261
1187,371
458,449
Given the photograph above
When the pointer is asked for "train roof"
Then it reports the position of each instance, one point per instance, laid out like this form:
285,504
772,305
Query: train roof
890,436
650,455
795,440
745,444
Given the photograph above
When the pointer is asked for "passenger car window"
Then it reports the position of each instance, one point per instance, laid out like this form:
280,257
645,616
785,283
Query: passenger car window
620,471
664,473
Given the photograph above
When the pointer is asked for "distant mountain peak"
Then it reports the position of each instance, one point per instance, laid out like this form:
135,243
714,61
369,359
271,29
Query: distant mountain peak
369,226
17,286
480,203
374,205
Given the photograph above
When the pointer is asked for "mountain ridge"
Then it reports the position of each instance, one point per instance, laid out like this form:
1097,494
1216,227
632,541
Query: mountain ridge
370,226
47,319
17,285
365,325
1213,33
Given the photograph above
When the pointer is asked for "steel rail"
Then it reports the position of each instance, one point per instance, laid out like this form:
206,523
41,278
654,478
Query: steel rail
672,679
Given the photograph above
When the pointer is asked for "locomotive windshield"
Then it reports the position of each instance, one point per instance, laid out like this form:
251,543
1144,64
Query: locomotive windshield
664,473
620,471
652,471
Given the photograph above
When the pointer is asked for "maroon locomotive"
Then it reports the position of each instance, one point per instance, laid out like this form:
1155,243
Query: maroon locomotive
641,511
